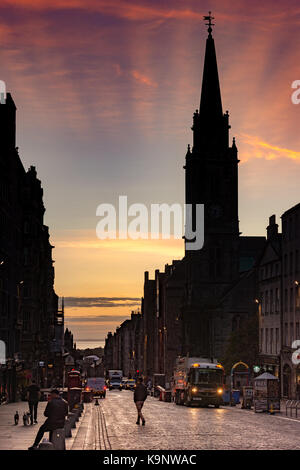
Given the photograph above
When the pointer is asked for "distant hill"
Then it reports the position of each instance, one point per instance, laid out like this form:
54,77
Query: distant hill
89,352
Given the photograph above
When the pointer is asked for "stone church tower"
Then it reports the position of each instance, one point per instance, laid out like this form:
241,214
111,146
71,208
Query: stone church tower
211,178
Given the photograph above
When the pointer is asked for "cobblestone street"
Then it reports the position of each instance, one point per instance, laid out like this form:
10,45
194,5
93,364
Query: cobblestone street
111,425
176,427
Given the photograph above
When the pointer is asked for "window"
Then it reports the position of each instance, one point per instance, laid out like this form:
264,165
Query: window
277,341
285,264
291,299
284,228
297,300
26,227
277,300
26,291
267,302
291,263
290,228
267,340
271,340
236,322
26,322
291,333
271,301
26,256
286,300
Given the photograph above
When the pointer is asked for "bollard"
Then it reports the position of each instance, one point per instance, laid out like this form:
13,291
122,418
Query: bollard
58,439
72,419
76,413
96,402
81,407
46,445
68,426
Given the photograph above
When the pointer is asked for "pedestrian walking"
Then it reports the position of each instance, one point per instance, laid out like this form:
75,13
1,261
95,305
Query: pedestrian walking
33,397
56,411
140,395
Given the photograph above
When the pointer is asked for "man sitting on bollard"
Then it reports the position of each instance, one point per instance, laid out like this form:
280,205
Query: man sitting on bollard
56,411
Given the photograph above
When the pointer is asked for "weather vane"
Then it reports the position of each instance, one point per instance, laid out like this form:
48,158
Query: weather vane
209,18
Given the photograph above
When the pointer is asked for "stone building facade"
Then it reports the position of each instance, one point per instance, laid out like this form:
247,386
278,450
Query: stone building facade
290,372
124,349
269,297
29,318
279,297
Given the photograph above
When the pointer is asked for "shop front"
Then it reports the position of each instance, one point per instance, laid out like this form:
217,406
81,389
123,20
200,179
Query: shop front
270,364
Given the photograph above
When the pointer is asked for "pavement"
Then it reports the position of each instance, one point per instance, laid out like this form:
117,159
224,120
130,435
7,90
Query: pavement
21,437
112,425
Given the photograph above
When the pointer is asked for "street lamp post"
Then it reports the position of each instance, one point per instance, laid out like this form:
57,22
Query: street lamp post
295,330
295,306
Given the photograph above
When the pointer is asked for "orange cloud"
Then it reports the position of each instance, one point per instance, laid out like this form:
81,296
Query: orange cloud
132,246
267,151
143,78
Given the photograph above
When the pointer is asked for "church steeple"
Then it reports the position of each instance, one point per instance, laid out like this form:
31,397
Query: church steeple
210,103
210,124
211,179
211,165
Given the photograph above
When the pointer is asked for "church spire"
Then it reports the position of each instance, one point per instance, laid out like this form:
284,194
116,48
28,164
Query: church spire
211,103
210,125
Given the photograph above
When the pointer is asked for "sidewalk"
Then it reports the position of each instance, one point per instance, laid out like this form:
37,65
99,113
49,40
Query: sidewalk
21,437
18,437
279,414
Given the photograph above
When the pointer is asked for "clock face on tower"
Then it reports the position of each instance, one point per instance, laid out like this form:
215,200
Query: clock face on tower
215,211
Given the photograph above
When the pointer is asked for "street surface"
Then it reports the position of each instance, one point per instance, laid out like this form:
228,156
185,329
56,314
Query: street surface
111,425
180,428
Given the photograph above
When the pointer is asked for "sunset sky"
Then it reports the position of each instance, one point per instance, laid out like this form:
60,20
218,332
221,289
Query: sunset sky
106,90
